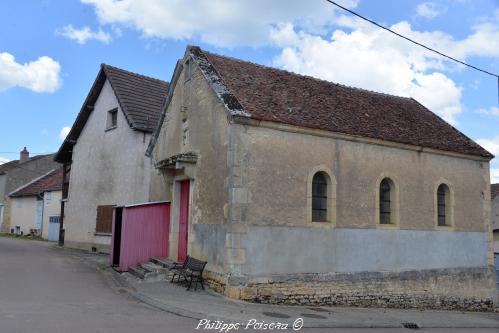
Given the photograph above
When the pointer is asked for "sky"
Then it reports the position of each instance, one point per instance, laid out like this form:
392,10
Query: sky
50,52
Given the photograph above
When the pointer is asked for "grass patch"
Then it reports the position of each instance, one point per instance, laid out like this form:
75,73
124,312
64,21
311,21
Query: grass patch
27,237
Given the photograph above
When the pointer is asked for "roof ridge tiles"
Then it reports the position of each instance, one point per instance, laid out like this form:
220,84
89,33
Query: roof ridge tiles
309,102
104,65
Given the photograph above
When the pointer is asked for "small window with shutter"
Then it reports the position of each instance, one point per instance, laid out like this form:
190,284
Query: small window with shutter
104,223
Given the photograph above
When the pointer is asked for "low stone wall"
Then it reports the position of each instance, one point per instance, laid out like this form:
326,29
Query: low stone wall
471,289
214,281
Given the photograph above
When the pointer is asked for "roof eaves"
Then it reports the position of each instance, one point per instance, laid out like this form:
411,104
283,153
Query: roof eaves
485,153
13,193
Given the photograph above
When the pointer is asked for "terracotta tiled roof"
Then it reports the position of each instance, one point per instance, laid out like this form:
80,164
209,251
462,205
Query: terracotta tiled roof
140,97
270,94
15,163
52,181
8,165
494,190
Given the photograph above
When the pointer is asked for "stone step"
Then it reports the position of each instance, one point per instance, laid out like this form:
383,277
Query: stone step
150,272
164,262
152,267
137,271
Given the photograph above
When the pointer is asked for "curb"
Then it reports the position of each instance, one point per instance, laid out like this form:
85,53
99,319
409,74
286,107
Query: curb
119,284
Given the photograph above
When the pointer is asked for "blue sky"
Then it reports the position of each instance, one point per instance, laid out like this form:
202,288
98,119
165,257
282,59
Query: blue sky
50,52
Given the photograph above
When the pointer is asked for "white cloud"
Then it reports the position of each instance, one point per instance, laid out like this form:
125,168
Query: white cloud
494,175
81,36
4,160
41,75
64,132
371,59
492,145
428,10
224,23
492,111
357,53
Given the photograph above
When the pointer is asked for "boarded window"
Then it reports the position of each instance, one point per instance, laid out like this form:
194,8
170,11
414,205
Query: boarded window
385,201
104,219
442,206
319,197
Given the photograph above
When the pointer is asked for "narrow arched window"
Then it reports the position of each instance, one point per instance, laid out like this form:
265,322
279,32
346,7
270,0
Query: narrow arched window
319,197
443,196
385,201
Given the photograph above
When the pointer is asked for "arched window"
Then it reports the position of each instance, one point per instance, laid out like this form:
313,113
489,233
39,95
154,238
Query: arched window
386,202
443,205
319,197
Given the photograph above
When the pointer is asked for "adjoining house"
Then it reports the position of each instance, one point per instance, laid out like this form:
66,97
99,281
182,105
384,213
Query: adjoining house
301,191
36,206
103,154
17,173
494,190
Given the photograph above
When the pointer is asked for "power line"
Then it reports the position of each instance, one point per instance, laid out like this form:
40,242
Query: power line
16,152
411,40
418,43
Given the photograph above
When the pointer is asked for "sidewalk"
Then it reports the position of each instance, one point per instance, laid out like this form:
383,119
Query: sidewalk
174,298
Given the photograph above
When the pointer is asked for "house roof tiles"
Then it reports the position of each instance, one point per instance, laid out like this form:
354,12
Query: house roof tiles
5,167
275,95
494,190
140,98
51,181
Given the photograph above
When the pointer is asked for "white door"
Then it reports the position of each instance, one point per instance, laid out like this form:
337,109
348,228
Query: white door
53,228
39,215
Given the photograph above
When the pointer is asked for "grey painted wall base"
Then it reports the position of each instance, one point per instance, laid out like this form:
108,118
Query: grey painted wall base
289,250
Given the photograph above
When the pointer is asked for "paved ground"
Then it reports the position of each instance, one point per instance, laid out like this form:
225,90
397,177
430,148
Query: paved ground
48,290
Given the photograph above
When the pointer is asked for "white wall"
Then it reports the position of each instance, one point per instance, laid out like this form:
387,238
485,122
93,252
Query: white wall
23,213
109,168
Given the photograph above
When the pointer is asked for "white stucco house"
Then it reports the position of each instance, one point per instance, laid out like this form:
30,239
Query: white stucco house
103,156
36,206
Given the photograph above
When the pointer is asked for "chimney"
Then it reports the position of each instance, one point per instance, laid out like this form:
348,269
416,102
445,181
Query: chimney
24,155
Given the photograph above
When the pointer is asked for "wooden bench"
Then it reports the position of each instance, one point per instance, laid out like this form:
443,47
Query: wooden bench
191,270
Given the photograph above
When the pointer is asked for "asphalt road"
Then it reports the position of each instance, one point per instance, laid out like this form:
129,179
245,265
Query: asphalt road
46,290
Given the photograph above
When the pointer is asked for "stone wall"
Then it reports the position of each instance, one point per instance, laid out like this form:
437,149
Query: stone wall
412,262
450,289
250,204
196,122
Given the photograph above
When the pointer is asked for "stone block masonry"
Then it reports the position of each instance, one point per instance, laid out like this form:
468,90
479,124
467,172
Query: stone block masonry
449,289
